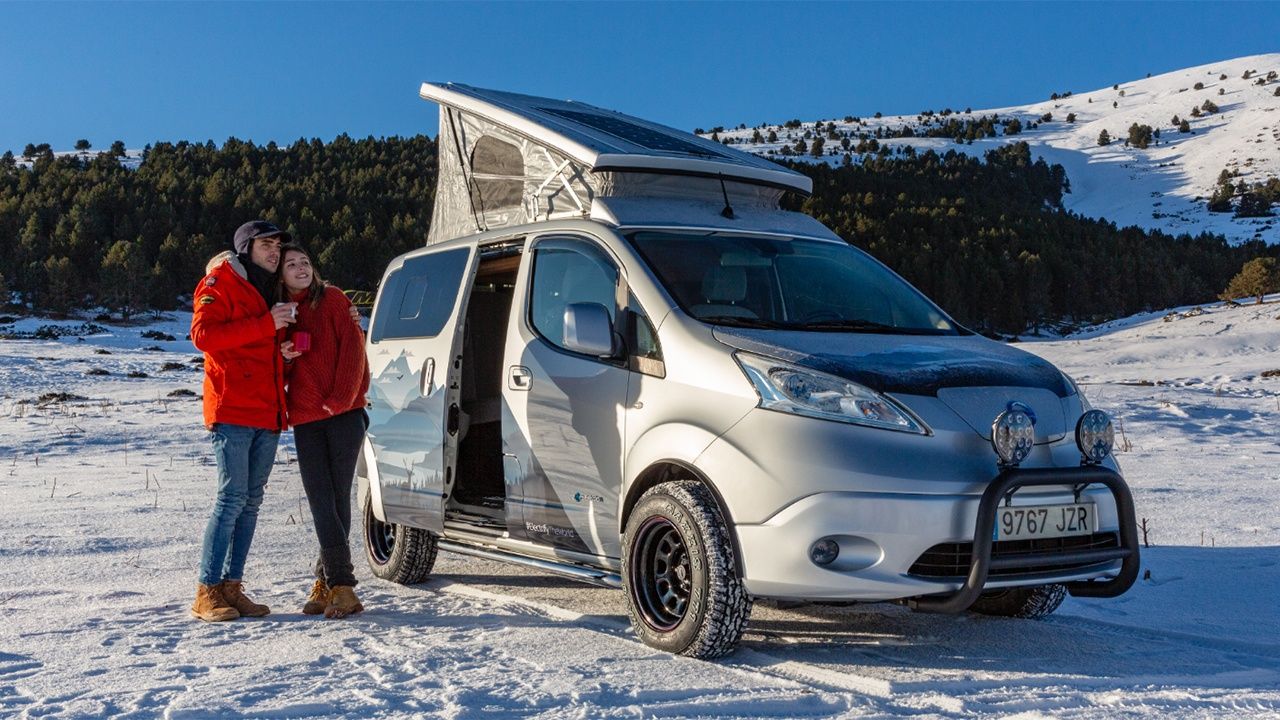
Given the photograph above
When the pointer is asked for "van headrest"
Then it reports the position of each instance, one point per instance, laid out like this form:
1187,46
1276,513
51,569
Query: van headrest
724,284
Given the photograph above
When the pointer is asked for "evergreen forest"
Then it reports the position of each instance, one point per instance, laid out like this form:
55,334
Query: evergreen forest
985,238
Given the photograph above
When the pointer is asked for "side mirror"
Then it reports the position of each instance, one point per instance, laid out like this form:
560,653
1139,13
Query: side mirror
588,330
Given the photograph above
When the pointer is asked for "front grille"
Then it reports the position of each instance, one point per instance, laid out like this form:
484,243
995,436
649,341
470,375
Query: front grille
951,560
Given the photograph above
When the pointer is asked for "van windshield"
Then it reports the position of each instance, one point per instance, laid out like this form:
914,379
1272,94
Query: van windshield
787,284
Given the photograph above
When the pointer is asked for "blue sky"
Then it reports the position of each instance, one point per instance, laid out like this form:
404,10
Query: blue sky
142,72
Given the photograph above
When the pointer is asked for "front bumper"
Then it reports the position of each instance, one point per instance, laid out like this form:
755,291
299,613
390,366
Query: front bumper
1008,482
882,534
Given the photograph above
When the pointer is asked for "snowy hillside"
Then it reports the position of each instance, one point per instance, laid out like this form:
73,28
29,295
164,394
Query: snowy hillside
131,159
1165,186
107,479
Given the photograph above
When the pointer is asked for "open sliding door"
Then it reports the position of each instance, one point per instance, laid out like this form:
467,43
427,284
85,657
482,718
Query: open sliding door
414,344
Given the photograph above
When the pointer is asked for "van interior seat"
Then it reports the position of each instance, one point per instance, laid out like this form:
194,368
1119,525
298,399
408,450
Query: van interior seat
723,288
482,341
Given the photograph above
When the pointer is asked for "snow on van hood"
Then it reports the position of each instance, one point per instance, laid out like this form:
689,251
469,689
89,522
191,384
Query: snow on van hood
907,364
974,376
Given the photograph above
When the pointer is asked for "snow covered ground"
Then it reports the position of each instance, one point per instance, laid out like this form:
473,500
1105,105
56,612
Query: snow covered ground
106,493
1164,187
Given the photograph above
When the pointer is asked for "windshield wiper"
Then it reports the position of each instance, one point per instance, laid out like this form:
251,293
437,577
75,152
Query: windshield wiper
744,322
854,326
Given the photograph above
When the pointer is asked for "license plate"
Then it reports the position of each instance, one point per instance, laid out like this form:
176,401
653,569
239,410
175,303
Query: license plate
1031,522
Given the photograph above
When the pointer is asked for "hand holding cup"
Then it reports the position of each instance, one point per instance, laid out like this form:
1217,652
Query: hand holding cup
284,314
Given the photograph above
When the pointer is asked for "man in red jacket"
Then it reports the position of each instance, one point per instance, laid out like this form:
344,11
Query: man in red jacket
236,326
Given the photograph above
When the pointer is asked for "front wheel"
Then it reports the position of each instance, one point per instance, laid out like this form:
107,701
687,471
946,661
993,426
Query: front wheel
1021,602
684,594
398,553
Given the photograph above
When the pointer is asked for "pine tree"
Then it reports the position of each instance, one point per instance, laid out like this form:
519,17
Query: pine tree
60,285
1252,204
122,279
1258,277
1184,126
1104,138
1140,136
82,145
1220,200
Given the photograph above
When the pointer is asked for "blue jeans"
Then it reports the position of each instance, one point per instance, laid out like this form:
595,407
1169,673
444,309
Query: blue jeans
244,456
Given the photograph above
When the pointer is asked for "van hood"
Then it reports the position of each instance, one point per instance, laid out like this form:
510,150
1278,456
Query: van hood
975,376
907,364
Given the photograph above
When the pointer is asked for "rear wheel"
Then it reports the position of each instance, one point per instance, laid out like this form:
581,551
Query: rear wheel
398,553
1021,602
684,594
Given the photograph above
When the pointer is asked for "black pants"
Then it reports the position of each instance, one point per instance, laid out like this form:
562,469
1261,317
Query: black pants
327,452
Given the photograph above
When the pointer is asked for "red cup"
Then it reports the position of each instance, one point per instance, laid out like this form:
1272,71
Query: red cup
302,341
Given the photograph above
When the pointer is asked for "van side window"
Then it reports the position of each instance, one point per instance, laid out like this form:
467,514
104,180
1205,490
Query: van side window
566,272
642,341
419,297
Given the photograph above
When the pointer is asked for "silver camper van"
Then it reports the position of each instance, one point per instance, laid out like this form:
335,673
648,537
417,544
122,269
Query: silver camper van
617,358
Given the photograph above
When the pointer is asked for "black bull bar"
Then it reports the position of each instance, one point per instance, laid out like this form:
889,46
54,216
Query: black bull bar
1007,482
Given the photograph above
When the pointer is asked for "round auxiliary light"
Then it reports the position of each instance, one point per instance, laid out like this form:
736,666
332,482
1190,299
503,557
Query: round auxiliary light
1012,437
1094,436
824,552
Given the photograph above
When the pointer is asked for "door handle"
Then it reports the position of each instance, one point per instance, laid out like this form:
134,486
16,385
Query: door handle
426,380
519,378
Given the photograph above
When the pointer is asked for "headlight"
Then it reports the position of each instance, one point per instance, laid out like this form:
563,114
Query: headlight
789,388
1012,436
1094,436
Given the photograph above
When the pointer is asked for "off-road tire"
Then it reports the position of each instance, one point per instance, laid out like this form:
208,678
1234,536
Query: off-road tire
398,553
676,533
1021,602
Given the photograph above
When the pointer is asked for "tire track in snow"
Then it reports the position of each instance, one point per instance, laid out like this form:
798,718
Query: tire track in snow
960,692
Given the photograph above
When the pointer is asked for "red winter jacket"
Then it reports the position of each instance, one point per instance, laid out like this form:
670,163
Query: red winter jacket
333,376
243,369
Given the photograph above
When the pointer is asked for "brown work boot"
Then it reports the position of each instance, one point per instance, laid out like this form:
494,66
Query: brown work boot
233,591
318,600
210,606
342,602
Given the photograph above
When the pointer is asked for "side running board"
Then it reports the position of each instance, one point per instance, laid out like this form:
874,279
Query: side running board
577,572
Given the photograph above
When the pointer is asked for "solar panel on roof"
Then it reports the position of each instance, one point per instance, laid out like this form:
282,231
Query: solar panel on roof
633,133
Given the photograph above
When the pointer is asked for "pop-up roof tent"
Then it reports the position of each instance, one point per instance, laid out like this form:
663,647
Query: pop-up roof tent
509,159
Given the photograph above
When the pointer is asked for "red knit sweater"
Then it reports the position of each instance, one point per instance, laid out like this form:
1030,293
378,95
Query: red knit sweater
333,376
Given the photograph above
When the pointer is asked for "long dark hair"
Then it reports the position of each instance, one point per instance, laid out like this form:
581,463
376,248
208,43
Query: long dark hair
315,292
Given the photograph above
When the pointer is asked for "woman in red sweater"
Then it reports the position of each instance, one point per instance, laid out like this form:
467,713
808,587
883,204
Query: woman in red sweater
328,376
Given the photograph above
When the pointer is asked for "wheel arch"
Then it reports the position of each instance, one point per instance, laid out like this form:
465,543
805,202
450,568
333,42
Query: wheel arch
368,483
667,470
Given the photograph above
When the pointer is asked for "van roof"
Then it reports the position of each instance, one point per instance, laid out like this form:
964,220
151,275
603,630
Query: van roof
605,140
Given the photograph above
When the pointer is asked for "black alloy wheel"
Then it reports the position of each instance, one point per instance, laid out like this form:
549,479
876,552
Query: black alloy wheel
663,580
680,572
399,553
379,537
